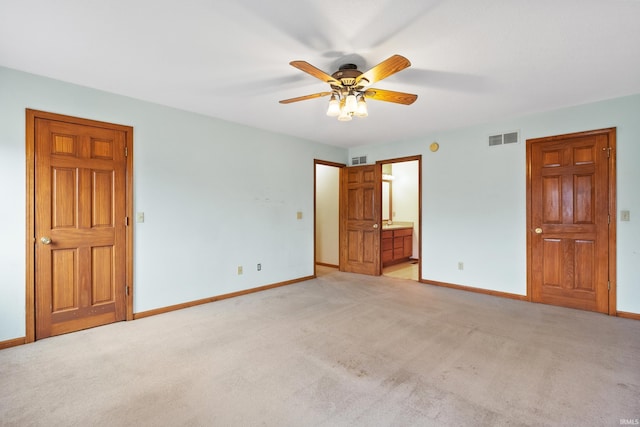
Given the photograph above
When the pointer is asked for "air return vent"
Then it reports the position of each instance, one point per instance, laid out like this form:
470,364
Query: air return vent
504,138
362,160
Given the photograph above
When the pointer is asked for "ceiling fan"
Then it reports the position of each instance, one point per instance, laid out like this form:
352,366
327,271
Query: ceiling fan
350,87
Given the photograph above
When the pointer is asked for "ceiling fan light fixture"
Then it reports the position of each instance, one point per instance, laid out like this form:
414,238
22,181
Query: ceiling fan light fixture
361,110
334,107
349,86
351,104
344,116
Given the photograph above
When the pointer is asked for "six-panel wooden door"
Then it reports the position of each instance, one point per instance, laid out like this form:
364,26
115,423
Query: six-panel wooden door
80,213
569,220
359,219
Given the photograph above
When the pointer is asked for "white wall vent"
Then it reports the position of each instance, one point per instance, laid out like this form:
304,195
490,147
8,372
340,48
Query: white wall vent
504,138
362,160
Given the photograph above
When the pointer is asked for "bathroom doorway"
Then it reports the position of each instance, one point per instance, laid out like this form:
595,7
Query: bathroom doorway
401,217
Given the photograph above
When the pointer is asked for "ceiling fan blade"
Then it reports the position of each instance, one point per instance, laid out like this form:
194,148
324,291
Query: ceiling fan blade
384,69
302,98
391,96
315,72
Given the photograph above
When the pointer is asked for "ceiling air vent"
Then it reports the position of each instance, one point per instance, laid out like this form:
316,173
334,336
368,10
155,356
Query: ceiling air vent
362,160
504,138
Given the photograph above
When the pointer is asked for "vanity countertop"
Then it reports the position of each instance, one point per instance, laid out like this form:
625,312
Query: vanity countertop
396,225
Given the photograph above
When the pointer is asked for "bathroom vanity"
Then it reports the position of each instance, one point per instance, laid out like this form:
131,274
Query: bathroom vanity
397,243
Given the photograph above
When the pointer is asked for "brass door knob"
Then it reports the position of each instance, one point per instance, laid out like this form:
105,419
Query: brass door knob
45,240
538,230
375,225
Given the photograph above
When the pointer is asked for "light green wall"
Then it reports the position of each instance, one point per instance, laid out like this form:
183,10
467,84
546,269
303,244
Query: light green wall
215,195
474,197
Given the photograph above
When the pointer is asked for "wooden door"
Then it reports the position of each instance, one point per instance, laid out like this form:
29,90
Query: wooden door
569,219
80,230
360,219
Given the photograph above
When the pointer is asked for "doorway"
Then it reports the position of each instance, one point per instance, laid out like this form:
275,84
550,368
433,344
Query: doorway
571,220
361,219
79,201
401,217
327,215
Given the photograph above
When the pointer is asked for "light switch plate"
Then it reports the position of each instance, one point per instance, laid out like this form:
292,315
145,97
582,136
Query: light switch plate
299,215
625,215
139,216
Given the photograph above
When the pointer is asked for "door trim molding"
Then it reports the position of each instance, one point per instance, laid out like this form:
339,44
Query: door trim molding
611,133
30,238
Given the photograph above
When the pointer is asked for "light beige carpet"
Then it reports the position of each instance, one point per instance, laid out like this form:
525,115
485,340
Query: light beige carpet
339,350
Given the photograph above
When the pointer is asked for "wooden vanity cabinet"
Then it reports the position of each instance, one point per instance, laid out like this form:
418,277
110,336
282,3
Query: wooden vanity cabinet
387,246
397,245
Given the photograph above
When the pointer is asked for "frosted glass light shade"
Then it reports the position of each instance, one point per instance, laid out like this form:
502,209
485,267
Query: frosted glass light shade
344,115
361,110
334,107
351,104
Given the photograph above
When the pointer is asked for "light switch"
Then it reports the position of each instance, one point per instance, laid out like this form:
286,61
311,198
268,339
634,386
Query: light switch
625,215
139,216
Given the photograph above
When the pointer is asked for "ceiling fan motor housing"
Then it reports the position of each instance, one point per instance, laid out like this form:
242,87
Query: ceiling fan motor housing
347,75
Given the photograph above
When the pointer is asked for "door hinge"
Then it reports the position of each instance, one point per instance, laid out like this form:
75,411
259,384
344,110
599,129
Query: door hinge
126,151
608,285
126,221
608,218
126,290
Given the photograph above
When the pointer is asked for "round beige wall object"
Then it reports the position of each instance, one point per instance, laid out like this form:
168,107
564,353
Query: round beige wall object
434,146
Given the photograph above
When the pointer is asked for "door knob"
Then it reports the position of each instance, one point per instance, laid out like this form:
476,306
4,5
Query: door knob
538,230
45,240
375,225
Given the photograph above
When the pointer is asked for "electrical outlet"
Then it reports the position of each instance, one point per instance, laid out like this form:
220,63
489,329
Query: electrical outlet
460,265
239,270
259,266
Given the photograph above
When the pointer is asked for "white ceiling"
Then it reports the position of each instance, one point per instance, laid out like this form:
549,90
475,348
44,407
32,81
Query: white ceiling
472,61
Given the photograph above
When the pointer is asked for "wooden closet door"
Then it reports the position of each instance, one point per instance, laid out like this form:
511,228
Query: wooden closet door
569,211
80,213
